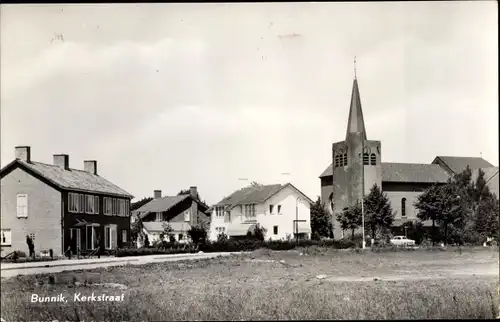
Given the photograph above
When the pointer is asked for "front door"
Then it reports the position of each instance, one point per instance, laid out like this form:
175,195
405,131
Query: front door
76,239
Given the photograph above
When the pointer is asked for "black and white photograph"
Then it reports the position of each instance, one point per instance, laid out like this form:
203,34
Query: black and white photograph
249,161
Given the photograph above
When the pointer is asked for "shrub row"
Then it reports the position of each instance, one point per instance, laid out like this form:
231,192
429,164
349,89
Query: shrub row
233,245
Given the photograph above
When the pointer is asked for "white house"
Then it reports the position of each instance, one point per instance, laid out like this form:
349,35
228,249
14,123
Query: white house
283,210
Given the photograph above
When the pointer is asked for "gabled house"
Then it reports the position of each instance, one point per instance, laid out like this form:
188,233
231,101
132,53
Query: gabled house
59,207
283,210
180,212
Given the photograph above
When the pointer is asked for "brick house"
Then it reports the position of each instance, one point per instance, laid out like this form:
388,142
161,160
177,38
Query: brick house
180,212
59,207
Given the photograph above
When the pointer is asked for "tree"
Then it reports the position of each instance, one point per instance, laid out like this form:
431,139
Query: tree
198,234
487,216
136,230
167,232
427,204
351,218
140,203
451,209
320,220
378,210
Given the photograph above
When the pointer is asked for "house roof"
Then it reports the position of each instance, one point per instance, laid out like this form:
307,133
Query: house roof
161,204
413,172
406,172
71,179
458,164
155,226
259,194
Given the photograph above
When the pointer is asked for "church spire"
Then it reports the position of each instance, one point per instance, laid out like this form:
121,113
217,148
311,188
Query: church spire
356,122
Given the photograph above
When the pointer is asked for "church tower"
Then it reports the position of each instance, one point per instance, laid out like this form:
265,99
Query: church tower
356,162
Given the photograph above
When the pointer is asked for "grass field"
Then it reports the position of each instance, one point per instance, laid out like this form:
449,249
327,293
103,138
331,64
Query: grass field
317,284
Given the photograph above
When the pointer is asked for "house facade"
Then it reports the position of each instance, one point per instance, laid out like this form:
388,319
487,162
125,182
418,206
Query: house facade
60,208
356,166
282,210
180,212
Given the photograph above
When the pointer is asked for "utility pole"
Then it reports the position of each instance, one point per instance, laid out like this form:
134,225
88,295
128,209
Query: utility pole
363,190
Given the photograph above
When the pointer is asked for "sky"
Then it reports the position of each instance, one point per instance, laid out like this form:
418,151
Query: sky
168,96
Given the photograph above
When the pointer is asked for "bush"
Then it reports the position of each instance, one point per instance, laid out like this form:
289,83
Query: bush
122,252
198,234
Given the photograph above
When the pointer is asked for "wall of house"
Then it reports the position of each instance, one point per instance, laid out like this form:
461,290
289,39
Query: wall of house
44,213
235,217
287,198
71,219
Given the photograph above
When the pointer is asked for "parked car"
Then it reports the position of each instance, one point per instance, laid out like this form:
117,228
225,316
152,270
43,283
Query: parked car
402,241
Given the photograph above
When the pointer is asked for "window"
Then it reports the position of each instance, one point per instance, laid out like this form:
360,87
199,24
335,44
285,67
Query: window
124,236
73,202
127,208
337,161
96,205
105,206
345,160
81,203
403,207
186,216
75,237
366,160
271,209
6,237
180,237
227,218
373,159
89,204
32,236
250,210
159,216
279,209
275,230
22,206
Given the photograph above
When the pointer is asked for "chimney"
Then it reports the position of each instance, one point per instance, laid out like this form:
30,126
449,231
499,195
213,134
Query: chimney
62,160
90,166
157,194
193,191
23,153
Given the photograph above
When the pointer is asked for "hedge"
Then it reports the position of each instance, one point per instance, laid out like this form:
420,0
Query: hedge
233,245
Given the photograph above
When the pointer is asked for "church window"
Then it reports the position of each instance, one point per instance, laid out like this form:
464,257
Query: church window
366,159
337,160
373,159
345,159
403,207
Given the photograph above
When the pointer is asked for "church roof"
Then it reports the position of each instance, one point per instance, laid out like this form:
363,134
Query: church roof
413,172
356,123
406,172
458,164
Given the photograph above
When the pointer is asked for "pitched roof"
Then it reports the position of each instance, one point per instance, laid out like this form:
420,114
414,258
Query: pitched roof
153,226
406,172
161,204
356,123
413,172
259,194
72,179
458,164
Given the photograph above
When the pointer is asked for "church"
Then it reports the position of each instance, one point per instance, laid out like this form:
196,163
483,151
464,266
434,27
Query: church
357,165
